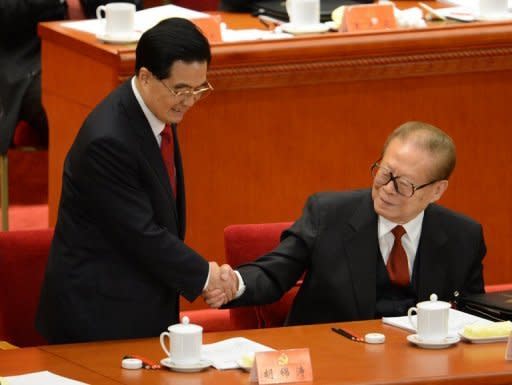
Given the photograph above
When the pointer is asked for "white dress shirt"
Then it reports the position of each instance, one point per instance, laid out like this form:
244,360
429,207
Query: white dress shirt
410,240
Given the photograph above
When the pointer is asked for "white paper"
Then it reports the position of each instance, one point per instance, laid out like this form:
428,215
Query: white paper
144,19
469,3
225,354
456,321
234,35
41,378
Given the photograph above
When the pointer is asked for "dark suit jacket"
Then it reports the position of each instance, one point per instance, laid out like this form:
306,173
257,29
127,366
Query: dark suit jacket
20,51
336,241
118,261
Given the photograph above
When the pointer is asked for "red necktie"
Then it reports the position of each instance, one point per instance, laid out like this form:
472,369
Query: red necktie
167,150
397,266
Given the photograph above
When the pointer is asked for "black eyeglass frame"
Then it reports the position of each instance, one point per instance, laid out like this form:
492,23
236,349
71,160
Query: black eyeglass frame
393,178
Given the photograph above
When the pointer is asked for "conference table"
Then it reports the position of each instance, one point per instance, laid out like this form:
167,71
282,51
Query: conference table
292,117
334,359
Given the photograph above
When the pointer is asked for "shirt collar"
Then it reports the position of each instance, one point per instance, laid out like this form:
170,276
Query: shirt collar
157,126
413,227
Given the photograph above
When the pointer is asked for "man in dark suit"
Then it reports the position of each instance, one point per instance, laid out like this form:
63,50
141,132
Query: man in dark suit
118,262
345,243
20,65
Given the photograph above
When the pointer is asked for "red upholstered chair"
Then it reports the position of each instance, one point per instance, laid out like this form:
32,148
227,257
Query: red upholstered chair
498,287
244,243
212,320
25,139
23,256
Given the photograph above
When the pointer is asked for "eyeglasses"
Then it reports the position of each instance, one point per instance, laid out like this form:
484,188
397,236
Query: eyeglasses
184,93
382,176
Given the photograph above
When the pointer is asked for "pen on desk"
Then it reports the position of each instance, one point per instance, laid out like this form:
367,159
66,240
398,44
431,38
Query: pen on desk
347,334
269,22
431,11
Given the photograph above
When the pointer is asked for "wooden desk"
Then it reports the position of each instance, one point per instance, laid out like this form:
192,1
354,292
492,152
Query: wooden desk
335,359
27,360
289,118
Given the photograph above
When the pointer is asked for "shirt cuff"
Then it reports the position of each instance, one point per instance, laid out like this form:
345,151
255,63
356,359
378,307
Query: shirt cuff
241,285
207,278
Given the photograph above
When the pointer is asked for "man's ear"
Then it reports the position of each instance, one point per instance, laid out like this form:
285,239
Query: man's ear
144,75
439,189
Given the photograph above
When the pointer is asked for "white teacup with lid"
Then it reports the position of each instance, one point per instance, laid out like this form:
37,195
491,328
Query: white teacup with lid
185,340
432,319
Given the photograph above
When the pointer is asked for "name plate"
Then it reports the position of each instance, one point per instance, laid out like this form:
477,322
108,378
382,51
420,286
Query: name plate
368,17
282,366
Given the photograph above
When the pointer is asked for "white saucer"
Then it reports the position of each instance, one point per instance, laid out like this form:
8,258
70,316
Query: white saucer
201,365
439,344
302,29
128,38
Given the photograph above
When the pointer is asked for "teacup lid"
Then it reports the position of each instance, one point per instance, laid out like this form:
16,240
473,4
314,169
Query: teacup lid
434,304
185,327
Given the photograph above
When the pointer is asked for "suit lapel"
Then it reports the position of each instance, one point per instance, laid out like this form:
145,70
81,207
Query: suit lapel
430,274
180,183
148,144
362,249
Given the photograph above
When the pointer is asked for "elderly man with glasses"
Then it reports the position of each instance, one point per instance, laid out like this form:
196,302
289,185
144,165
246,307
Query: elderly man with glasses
372,253
118,261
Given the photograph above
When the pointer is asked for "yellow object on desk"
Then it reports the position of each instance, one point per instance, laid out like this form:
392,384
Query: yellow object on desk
484,330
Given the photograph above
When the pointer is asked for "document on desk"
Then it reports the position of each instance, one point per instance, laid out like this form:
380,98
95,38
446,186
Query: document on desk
456,321
144,19
225,354
39,378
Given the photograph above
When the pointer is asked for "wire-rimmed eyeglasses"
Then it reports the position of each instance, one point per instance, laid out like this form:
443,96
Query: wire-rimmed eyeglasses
184,93
382,176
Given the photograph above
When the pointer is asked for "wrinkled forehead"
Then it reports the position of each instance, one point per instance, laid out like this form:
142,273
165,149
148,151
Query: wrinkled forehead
408,158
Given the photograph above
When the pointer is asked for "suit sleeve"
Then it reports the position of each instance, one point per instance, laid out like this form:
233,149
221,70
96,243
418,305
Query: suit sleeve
119,202
269,277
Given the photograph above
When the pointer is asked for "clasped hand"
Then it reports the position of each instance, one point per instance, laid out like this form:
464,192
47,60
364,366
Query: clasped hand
222,285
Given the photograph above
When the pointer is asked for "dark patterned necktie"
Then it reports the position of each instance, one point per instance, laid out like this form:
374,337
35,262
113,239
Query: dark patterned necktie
167,150
397,266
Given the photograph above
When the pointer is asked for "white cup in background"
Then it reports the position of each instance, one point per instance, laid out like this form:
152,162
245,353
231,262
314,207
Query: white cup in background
432,319
185,340
303,12
493,8
119,18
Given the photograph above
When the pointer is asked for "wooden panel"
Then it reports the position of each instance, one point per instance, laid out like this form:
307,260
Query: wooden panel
289,118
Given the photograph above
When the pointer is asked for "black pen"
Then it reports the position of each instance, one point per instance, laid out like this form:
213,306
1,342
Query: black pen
346,334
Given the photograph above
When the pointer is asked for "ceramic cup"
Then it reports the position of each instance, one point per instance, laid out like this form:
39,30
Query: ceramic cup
185,343
432,319
119,18
493,8
303,12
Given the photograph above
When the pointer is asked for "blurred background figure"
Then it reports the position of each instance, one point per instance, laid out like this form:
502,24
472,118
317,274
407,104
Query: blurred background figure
20,65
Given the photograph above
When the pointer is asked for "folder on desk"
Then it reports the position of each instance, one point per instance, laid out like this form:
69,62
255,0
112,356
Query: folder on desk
495,306
277,8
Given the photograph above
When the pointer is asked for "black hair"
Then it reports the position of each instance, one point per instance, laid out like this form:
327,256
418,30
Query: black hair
168,41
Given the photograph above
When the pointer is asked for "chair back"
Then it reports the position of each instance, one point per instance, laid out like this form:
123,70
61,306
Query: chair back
244,243
23,257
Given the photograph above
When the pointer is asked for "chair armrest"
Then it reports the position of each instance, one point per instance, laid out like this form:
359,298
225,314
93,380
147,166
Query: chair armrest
212,320
498,287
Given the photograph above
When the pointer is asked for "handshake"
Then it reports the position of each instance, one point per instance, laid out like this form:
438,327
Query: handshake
222,285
